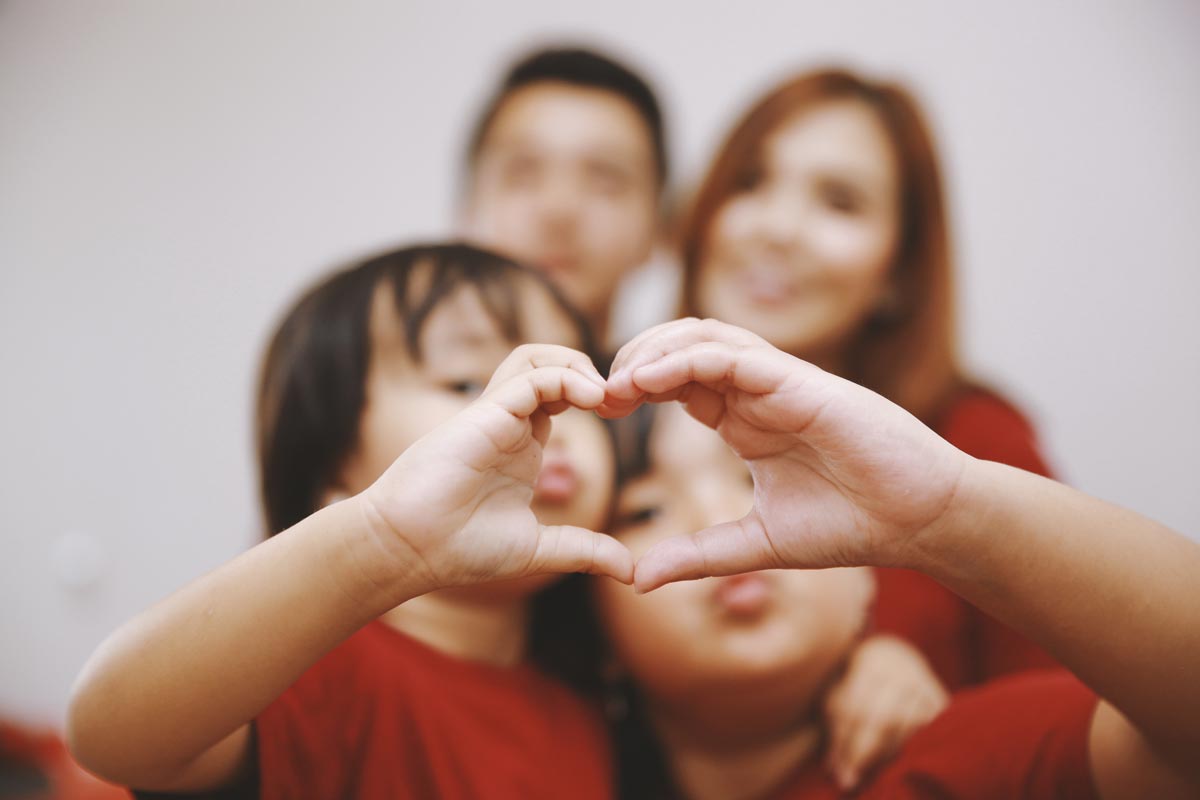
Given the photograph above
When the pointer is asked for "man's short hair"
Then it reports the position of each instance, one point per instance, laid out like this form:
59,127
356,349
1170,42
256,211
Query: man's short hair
586,69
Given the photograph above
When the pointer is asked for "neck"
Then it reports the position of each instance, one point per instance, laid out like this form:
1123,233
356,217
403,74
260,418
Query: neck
481,629
738,750
599,323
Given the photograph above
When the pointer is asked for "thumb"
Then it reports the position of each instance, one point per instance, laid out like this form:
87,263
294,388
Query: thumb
566,548
726,549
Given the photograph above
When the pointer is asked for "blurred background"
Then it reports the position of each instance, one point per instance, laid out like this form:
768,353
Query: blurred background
171,174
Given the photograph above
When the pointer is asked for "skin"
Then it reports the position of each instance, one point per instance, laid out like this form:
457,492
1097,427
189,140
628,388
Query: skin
166,702
801,256
723,660
460,348
565,181
844,478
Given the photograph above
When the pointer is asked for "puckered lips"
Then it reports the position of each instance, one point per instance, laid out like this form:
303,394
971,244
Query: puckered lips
743,597
558,481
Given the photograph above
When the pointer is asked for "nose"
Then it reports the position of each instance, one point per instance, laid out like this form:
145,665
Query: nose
559,201
780,219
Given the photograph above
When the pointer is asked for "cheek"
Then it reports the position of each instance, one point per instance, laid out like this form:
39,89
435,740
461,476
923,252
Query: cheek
622,229
729,230
856,251
648,632
393,423
503,220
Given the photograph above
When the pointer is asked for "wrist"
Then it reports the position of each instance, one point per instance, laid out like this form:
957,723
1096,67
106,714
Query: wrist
382,571
940,544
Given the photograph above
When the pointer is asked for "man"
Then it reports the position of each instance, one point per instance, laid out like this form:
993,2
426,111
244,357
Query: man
565,170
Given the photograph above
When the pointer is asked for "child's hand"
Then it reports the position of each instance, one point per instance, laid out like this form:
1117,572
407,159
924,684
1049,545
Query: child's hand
886,695
455,505
842,476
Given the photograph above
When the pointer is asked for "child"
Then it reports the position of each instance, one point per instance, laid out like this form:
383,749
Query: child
843,478
376,647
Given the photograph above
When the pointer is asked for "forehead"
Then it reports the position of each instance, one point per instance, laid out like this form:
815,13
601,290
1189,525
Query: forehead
462,322
846,135
556,117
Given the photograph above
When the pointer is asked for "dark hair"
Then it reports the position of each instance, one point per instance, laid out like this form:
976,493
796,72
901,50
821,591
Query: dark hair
567,640
312,387
582,68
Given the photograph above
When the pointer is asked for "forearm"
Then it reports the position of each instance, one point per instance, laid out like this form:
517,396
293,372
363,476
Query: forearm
1109,593
185,674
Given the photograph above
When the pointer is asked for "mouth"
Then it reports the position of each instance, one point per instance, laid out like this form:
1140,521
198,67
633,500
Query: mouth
557,483
743,597
557,263
767,285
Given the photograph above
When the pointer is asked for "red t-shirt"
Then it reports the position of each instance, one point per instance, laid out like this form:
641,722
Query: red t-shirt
386,716
964,646
1024,736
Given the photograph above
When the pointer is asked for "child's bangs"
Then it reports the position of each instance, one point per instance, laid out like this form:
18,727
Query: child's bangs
432,275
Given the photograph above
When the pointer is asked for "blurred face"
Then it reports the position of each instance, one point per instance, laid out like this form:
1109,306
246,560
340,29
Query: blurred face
461,347
801,255
778,631
565,181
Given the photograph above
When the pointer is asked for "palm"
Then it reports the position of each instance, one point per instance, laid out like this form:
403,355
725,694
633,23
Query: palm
841,475
838,495
458,499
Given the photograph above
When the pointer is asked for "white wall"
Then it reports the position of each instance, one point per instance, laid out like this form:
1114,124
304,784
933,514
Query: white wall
171,173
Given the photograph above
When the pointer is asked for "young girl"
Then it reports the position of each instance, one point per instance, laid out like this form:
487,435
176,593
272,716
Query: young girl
376,647
823,473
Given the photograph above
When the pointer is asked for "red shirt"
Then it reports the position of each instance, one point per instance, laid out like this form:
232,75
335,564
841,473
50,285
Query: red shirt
964,646
384,716
1024,736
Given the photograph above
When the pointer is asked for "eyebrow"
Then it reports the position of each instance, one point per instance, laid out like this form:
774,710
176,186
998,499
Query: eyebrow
604,152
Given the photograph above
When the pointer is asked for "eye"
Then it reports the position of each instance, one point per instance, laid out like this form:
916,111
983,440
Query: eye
841,198
748,179
466,387
636,517
606,179
519,171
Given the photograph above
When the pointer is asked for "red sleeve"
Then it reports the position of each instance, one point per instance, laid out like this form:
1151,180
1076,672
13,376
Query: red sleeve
1024,736
984,425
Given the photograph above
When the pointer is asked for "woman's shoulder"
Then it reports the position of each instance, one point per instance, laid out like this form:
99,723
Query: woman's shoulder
983,423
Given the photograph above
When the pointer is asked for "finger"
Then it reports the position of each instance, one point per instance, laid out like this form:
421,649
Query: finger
756,370
528,357
614,408
540,422
634,345
527,392
566,548
668,338
841,732
870,744
726,549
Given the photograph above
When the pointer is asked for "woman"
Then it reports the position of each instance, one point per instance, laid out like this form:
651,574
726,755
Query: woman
821,226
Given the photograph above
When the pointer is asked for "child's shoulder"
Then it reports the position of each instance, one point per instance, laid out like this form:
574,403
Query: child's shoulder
1023,735
387,711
